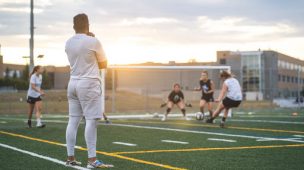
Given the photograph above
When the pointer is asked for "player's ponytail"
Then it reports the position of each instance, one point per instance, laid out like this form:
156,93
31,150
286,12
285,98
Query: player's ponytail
225,74
35,69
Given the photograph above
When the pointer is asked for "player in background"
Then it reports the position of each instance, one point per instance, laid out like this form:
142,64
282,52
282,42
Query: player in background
207,88
176,97
34,95
230,97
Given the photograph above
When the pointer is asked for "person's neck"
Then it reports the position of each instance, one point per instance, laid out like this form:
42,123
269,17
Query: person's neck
81,32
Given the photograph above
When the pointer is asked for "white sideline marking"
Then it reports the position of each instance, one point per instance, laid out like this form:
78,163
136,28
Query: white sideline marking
3,122
199,132
41,156
170,129
123,143
222,140
275,139
299,136
173,141
77,147
267,121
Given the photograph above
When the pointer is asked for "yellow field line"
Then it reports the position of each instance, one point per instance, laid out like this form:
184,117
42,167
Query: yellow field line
213,126
211,149
100,152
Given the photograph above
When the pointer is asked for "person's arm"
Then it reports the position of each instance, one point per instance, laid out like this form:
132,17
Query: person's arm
212,87
170,96
33,85
101,56
182,95
222,93
200,87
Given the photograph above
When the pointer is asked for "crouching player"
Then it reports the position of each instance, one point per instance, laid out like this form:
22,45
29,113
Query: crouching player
175,97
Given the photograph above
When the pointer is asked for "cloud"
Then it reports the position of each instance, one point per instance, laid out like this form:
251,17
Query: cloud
147,21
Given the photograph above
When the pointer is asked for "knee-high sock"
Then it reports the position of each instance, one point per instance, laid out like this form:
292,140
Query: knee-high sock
71,133
91,137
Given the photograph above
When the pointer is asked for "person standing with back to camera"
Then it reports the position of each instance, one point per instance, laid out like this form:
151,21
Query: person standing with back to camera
86,56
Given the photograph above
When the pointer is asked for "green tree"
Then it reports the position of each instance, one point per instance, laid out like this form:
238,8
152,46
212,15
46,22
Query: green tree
46,82
25,73
7,71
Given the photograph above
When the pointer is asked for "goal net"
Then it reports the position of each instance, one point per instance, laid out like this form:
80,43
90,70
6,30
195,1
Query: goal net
140,90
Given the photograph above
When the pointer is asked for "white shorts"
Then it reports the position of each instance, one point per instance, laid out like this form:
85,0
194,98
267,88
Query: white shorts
84,98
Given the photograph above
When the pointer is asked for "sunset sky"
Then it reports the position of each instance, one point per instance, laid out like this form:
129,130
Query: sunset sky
135,31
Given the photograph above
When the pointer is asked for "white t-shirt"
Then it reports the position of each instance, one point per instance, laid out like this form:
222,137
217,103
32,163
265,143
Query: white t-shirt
37,80
234,89
84,52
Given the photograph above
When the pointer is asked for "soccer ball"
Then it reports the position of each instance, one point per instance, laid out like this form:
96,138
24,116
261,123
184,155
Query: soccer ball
199,116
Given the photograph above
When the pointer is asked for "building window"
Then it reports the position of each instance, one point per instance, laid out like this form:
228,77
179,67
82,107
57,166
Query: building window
222,61
284,78
279,77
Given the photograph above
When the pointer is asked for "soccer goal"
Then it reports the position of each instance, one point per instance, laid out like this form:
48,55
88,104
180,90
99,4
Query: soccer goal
140,90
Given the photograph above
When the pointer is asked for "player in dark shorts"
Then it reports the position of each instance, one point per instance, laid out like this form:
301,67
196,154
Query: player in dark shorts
176,97
230,97
207,88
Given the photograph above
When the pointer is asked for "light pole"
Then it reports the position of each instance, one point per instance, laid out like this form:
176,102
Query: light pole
31,66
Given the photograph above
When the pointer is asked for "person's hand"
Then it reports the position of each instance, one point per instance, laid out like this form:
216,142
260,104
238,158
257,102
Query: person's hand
42,93
91,34
197,89
217,100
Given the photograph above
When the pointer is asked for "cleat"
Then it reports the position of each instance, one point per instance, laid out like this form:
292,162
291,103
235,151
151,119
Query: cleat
98,164
29,123
222,124
164,118
72,163
209,120
41,126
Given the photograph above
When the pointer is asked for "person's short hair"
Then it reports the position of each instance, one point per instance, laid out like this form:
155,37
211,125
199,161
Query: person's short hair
225,74
176,84
206,72
81,22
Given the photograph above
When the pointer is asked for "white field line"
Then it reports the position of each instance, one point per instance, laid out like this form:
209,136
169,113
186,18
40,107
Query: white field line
299,136
40,156
267,121
126,144
170,115
222,140
199,132
173,141
275,139
176,130
3,122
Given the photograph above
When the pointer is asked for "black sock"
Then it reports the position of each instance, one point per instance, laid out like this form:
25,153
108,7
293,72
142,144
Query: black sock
202,109
184,112
168,110
210,113
223,119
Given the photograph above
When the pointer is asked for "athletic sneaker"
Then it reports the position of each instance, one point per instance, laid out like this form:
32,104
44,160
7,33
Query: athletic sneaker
98,164
222,124
164,118
41,126
73,163
187,118
209,120
29,123
108,122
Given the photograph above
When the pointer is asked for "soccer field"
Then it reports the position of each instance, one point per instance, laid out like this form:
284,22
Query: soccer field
259,141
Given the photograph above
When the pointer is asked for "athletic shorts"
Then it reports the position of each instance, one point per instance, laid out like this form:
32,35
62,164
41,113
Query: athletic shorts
207,99
33,100
84,98
229,103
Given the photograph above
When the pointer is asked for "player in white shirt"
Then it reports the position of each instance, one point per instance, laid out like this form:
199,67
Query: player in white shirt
34,94
86,57
232,90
